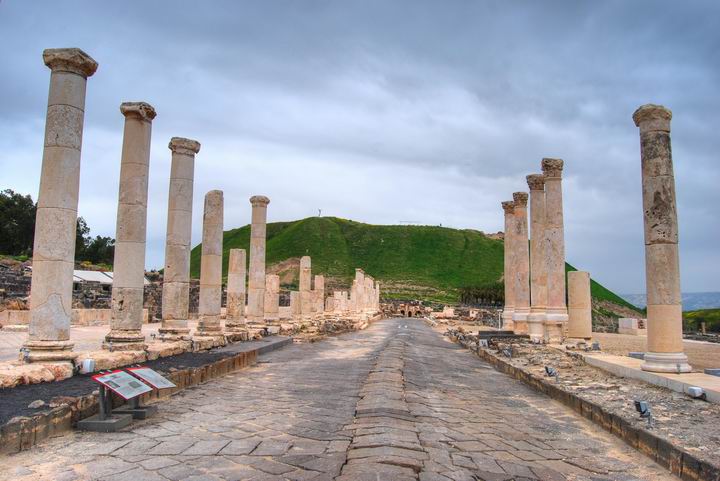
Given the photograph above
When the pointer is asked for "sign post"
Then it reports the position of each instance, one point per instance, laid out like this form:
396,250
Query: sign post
154,380
124,385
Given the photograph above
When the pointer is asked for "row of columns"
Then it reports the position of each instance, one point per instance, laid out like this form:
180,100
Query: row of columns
544,285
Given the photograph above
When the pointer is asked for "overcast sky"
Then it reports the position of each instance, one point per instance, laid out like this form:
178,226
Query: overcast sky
387,111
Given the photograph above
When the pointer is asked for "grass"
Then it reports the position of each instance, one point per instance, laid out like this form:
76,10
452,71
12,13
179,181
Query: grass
711,318
440,257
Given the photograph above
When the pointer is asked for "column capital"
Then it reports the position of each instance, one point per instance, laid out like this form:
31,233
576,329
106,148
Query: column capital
185,146
552,168
259,201
536,181
651,117
70,60
520,199
508,206
139,110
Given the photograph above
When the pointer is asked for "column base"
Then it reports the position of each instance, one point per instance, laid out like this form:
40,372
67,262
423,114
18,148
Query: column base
507,320
536,325
172,334
520,319
43,351
119,340
670,362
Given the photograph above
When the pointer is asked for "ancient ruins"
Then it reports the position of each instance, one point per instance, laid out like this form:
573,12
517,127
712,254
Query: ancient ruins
394,402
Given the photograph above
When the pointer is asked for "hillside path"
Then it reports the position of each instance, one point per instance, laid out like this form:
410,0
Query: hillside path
394,402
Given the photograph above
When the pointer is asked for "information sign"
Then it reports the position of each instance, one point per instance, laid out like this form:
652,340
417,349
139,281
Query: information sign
151,377
122,384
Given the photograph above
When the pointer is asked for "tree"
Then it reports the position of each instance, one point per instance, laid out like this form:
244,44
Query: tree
100,250
17,223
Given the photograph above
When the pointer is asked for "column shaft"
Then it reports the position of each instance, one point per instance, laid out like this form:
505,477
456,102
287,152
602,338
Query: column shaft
306,303
556,314
129,264
256,278
272,298
56,216
538,261
211,266
508,209
520,263
662,265
319,293
235,308
176,276
579,305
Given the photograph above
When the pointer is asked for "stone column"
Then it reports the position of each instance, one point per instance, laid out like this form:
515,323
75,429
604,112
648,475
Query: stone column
256,279
306,304
235,306
520,264
319,293
377,295
56,217
579,305
211,266
507,314
359,289
662,266
538,260
129,265
272,298
176,276
556,314
295,307
337,295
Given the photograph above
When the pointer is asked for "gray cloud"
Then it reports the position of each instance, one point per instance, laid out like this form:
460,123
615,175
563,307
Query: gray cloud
387,111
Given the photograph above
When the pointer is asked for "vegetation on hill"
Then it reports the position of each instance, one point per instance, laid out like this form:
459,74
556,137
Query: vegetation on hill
412,262
711,318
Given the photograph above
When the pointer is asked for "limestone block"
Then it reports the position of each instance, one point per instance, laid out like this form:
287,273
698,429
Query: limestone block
67,89
579,305
60,178
131,223
133,183
175,300
181,195
177,263
55,235
64,126
129,264
183,167
663,274
127,308
660,210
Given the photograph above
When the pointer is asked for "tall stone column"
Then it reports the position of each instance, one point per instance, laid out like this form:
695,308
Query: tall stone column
662,266
377,295
272,298
556,314
520,263
56,216
538,260
209,307
359,289
579,305
129,265
337,295
235,307
256,279
176,276
319,293
507,314
306,304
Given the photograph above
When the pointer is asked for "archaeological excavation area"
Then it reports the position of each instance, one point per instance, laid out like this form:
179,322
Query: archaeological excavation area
328,381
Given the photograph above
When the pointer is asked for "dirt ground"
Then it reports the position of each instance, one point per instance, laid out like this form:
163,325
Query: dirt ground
701,354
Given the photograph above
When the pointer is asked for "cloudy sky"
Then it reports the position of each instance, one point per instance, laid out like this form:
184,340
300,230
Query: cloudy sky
387,111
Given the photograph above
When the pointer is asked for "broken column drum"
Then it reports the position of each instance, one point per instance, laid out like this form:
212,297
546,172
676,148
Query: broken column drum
579,305
129,265
211,266
176,276
272,298
235,306
662,266
306,302
56,216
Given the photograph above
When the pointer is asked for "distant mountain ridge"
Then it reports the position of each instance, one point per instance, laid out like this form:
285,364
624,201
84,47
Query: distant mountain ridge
691,301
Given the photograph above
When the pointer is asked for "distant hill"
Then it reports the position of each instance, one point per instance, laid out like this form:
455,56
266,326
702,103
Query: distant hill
691,301
412,262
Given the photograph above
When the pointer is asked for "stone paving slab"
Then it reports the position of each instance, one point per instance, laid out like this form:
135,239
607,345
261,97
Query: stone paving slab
447,416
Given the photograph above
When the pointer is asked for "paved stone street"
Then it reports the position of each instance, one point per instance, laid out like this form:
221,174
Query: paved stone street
393,402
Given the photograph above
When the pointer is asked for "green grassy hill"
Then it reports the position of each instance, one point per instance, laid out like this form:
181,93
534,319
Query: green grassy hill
416,262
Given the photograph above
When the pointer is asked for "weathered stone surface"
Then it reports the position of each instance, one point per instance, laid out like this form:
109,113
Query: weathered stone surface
256,276
211,266
521,263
